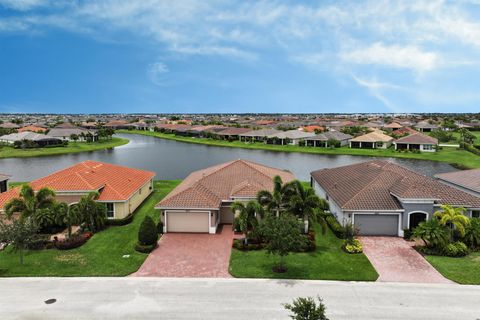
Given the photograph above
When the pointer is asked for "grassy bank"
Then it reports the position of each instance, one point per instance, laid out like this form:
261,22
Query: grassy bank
464,270
447,154
328,262
102,255
73,147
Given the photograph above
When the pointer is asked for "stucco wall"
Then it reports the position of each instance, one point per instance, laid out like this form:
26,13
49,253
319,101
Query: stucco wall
415,207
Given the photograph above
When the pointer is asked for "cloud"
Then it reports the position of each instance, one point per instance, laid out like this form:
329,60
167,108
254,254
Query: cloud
23,5
156,72
378,90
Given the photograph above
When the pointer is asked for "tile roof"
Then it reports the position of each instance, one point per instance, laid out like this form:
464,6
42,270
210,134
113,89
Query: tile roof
393,125
67,132
32,128
425,125
469,179
260,133
26,135
233,131
292,134
115,183
376,185
374,136
4,177
207,188
417,138
337,135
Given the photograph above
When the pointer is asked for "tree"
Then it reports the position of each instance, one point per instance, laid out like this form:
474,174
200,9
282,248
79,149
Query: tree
275,202
466,136
333,143
90,212
282,235
19,233
147,234
454,218
247,218
30,202
306,309
66,215
432,233
74,137
472,234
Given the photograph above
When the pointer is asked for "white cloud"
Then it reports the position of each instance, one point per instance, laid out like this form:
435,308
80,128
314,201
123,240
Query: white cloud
23,5
379,91
156,72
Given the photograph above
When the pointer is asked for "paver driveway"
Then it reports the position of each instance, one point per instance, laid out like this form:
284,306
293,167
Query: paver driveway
190,255
395,260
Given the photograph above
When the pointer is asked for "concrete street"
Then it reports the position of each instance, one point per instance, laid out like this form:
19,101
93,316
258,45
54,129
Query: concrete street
163,298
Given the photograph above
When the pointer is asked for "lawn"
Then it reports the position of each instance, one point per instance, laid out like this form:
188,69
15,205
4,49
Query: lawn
73,147
328,262
102,255
450,155
464,270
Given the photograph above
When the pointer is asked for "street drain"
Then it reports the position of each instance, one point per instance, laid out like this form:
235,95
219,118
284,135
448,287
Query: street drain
50,301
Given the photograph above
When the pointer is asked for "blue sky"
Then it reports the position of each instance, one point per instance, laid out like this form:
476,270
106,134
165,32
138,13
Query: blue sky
155,56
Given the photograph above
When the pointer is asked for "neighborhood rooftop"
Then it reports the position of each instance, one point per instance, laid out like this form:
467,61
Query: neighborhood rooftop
469,179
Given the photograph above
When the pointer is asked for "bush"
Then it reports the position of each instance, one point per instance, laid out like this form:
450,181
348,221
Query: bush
120,222
160,227
407,234
309,245
352,246
455,249
335,226
240,245
147,234
145,248
306,309
472,234
73,242
40,243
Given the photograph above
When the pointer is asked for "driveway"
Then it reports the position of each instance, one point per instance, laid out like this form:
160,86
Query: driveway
396,261
190,255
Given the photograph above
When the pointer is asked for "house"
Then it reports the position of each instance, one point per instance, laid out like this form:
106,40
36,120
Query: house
392,126
40,139
417,141
372,140
32,128
322,139
258,135
122,189
232,133
65,134
203,200
313,128
292,137
382,198
466,180
3,182
424,126
9,125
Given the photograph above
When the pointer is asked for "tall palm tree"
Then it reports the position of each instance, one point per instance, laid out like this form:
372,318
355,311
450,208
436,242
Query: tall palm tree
454,218
275,202
66,215
247,218
30,202
92,213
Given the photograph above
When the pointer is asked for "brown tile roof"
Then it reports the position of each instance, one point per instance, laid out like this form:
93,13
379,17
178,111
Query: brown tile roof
375,136
393,125
207,188
375,185
417,138
233,131
469,179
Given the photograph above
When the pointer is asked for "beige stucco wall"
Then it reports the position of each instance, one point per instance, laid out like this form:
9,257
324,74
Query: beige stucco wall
123,209
69,198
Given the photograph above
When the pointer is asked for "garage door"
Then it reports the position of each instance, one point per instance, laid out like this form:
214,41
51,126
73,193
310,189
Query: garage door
226,215
376,225
187,221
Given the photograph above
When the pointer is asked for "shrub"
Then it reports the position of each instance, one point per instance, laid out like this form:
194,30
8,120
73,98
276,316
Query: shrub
335,226
145,248
309,245
472,234
455,249
147,234
73,242
352,246
160,227
407,234
307,309
120,222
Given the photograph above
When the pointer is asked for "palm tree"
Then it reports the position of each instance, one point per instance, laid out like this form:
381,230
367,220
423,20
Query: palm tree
247,218
432,233
30,202
275,202
66,215
92,213
454,218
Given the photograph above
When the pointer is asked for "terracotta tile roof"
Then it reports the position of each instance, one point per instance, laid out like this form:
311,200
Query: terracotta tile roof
393,125
208,187
375,136
417,138
469,179
405,130
32,128
115,183
375,185
337,135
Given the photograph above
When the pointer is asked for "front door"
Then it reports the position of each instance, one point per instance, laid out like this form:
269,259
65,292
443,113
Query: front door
416,218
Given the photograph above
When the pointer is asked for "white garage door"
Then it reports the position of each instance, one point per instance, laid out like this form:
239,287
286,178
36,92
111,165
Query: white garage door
376,224
191,221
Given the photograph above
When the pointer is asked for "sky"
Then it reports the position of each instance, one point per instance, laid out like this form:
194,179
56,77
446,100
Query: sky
215,56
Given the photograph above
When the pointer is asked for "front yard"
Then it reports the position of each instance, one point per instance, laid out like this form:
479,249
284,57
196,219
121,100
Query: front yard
328,262
464,270
102,255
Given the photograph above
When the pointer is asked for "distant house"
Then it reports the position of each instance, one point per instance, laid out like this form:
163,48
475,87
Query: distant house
122,189
203,200
118,124
313,128
424,126
416,141
32,128
322,139
382,198
373,140
392,126
258,135
3,182
204,131
466,180
65,134
9,125
232,133
404,131
292,137
40,139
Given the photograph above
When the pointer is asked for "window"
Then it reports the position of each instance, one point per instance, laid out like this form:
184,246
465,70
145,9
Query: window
475,213
427,147
110,210
379,144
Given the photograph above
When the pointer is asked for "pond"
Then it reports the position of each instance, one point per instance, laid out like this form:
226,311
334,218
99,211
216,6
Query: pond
175,160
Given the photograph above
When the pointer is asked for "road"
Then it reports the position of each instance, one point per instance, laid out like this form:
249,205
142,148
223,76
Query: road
162,298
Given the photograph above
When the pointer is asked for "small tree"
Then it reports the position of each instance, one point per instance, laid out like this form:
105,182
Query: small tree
282,236
74,137
432,233
64,215
30,202
247,218
19,233
307,309
90,212
454,218
147,234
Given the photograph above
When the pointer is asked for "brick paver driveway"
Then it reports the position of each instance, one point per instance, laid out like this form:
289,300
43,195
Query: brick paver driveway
395,260
190,255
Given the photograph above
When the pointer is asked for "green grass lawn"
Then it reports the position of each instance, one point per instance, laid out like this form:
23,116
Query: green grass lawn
447,154
464,270
100,256
73,147
328,262
456,137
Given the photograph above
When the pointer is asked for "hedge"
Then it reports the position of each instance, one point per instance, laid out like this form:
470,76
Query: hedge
335,226
73,242
145,248
121,222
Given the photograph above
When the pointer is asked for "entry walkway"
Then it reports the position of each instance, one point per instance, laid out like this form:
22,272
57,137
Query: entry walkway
396,261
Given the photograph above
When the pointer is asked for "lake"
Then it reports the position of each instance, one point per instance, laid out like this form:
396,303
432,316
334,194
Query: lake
175,160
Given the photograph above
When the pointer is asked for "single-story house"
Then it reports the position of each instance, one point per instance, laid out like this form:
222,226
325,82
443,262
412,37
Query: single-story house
32,128
416,141
321,140
466,180
122,189
392,126
9,125
40,139
118,124
292,137
382,198
3,182
66,133
372,140
258,135
203,200
424,126
232,133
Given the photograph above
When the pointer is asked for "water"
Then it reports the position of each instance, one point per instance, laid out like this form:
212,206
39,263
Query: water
175,160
